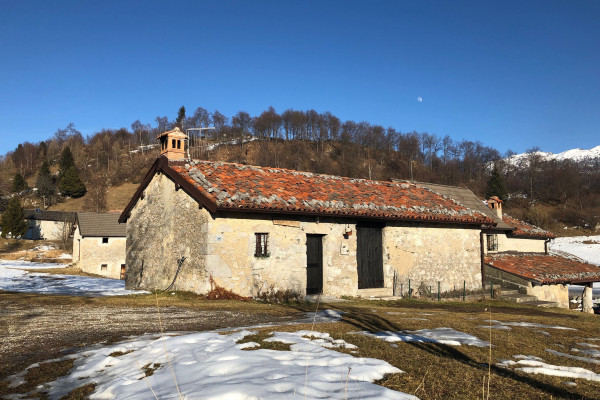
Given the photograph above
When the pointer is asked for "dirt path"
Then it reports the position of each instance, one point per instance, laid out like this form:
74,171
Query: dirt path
36,327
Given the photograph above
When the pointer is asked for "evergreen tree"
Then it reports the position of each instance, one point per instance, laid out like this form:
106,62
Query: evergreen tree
19,183
495,186
3,202
71,184
180,118
44,182
65,162
13,219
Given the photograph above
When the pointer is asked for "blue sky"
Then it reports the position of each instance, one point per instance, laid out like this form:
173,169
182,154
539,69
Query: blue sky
512,74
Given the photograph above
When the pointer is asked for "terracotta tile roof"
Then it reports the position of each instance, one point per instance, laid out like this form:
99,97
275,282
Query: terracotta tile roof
544,269
523,229
235,186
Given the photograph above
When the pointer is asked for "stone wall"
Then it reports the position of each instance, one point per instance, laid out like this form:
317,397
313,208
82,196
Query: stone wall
232,262
91,254
558,293
428,254
164,226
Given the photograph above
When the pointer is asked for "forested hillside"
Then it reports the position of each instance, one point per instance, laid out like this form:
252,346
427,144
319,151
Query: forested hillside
550,193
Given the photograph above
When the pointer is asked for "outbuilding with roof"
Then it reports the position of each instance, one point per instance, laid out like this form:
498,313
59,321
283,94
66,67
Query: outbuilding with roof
99,244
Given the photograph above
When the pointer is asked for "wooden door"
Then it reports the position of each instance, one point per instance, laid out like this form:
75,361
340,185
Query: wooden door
369,256
314,264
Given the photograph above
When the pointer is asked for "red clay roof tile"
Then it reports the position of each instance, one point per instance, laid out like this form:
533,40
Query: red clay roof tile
237,186
523,229
544,269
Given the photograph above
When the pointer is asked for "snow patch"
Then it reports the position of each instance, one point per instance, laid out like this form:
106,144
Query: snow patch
210,365
14,278
506,325
446,336
535,365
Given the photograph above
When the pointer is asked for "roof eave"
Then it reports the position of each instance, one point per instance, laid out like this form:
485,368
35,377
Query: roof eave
162,165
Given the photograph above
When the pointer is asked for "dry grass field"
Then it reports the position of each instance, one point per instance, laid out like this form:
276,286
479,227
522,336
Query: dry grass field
431,370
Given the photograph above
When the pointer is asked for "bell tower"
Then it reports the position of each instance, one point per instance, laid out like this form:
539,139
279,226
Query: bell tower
172,144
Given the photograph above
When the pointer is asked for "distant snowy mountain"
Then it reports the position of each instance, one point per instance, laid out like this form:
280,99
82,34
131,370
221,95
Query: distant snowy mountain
576,155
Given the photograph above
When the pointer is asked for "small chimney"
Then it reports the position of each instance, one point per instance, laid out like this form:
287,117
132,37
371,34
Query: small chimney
172,144
495,204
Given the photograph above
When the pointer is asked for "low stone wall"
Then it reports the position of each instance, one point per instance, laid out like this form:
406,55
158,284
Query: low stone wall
558,293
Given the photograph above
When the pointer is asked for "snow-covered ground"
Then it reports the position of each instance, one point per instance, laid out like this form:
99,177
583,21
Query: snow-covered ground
589,252
210,365
14,278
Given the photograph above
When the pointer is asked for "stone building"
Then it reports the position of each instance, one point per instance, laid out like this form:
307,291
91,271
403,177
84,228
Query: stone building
255,229
48,225
515,254
99,244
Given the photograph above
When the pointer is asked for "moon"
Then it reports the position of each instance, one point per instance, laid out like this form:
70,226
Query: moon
420,99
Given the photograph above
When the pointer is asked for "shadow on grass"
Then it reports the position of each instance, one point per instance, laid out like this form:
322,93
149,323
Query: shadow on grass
368,321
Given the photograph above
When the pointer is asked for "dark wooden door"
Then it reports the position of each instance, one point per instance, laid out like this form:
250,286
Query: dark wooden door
369,257
314,264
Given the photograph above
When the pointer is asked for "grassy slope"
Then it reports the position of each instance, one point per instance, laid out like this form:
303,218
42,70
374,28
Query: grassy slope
116,199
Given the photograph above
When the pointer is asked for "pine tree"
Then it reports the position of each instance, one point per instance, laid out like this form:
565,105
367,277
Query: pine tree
13,219
44,182
3,202
71,184
65,162
19,183
495,186
180,118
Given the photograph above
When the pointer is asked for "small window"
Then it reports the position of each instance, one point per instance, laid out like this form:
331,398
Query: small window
179,144
262,245
492,242
173,143
104,240
103,267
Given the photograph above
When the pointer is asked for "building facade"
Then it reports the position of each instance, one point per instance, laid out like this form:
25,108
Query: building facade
99,244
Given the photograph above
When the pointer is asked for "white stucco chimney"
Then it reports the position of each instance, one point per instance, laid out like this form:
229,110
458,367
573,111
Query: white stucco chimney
172,144
495,204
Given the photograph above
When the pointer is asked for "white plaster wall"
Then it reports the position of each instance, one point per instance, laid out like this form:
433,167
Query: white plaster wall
92,253
47,230
523,245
